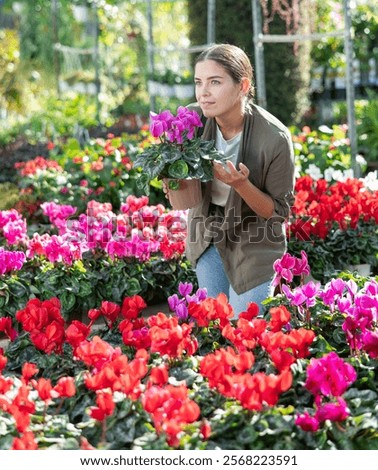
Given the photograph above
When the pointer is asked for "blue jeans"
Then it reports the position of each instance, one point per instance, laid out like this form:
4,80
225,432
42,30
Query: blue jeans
211,275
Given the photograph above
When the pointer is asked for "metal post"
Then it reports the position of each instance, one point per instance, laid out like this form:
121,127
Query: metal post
211,8
259,54
54,14
96,57
150,50
348,47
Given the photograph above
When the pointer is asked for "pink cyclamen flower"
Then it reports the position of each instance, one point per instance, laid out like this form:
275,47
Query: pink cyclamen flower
284,268
370,343
329,375
333,411
160,123
11,260
301,266
307,422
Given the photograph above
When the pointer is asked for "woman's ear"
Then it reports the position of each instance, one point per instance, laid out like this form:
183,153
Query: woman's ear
245,85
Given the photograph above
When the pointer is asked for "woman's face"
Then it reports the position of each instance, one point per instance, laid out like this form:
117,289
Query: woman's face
216,92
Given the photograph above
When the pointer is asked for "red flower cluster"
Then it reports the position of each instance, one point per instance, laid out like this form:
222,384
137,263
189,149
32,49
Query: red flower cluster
319,206
168,337
210,310
228,371
111,369
108,370
44,322
171,409
20,405
105,406
6,327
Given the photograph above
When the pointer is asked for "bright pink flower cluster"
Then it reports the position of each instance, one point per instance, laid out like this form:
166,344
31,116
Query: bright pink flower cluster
329,376
13,226
360,308
57,213
139,231
175,129
289,266
11,260
327,379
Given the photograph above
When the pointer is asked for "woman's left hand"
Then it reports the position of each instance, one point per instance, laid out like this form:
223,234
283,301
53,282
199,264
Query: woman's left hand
229,174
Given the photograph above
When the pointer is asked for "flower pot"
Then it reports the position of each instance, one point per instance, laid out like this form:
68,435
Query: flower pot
362,269
187,195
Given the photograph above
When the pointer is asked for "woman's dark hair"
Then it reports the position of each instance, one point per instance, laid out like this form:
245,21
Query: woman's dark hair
234,60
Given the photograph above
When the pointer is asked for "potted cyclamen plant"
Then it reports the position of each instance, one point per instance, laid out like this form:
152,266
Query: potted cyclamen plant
356,248
179,157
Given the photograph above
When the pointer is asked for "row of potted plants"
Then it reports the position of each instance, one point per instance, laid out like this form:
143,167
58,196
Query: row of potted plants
336,223
169,84
90,257
299,376
109,170
188,377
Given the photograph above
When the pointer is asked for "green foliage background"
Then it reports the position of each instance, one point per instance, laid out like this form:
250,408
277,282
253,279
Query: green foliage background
28,78
285,71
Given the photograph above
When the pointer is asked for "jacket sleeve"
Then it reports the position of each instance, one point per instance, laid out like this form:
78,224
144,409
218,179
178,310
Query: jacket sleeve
280,176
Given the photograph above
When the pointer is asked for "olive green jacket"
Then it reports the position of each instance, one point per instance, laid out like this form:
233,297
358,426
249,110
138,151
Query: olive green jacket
248,244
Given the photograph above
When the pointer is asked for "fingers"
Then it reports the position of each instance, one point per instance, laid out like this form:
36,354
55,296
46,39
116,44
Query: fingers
244,169
219,171
230,174
230,165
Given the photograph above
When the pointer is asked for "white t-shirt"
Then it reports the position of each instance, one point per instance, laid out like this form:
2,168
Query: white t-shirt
220,190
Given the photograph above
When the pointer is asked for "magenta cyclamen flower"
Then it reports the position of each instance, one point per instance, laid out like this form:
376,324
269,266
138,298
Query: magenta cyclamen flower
284,268
333,411
13,226
179,305
370,343
58,213
200,295
160,123
175,128
307,422
178,153
329,375
185,288
289,266
301,266
305,294
11,260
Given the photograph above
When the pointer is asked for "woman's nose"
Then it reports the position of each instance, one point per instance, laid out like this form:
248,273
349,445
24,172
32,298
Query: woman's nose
204,90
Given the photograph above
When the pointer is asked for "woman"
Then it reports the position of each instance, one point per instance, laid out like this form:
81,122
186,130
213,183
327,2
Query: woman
237,232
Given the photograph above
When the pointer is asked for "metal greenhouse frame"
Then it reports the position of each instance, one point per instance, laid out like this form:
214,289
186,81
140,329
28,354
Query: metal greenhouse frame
259,39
